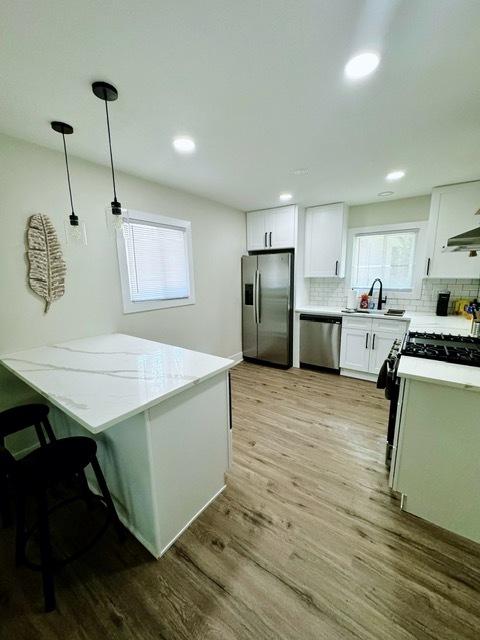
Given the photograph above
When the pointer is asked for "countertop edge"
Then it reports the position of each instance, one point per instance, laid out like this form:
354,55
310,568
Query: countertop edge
98,428
440,378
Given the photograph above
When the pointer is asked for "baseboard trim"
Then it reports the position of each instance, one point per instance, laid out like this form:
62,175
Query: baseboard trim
237,357
360,375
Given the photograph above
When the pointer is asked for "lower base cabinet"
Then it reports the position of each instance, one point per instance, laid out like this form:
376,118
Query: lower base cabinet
367,341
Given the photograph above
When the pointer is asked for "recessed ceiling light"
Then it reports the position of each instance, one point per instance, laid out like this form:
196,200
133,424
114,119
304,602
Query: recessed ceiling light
385,193
300,172
362,65
395,175
285,197
184,144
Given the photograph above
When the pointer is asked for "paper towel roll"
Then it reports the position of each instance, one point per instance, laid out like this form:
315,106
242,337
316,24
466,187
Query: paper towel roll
352,299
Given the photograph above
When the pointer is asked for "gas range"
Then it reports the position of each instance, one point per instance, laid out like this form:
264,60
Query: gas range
443,347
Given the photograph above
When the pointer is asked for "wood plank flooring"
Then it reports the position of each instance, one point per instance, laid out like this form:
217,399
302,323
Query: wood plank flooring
305,543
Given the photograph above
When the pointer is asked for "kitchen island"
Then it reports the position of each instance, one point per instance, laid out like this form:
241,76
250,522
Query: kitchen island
160,416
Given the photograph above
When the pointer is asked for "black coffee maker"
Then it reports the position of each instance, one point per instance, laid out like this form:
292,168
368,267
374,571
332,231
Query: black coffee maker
442,303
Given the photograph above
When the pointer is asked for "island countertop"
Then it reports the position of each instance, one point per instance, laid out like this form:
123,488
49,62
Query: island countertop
103,380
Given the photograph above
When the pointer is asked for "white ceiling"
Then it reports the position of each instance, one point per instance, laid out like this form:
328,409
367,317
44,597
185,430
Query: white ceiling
259,85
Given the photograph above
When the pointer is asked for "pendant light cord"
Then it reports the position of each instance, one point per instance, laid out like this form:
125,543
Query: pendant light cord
68,173
111,155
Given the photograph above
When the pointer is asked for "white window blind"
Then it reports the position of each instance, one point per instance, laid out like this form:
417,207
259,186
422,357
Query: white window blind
389,256
157,261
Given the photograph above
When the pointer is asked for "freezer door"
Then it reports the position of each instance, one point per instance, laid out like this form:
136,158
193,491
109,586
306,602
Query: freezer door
249,307
274,309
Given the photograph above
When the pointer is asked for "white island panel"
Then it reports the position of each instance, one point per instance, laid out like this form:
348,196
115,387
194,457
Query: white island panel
189,454
437,462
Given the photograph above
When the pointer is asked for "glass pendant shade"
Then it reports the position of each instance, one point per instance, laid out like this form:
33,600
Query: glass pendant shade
75,234
115,220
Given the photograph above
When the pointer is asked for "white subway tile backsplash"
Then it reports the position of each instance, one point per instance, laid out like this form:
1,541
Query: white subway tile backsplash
331,292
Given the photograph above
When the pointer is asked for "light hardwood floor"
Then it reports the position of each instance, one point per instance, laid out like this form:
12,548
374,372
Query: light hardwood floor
305,543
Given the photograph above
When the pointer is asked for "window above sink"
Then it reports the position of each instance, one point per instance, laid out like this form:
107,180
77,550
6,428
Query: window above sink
394,253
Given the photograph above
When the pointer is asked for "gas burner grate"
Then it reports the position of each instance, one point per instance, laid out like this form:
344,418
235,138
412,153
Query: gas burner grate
445,348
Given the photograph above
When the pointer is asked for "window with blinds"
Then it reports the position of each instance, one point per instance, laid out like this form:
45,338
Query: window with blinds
157,261
388,255
154,258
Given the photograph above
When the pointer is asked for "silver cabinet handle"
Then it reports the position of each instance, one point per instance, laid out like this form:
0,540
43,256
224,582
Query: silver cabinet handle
428,266
270,238
373,342
336,267
366,340
265,240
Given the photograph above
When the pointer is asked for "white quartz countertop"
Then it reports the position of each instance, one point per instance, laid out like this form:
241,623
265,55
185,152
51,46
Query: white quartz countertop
102,380
340,311
446,373
418,321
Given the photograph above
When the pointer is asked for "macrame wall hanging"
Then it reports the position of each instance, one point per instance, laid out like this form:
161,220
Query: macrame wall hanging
46,271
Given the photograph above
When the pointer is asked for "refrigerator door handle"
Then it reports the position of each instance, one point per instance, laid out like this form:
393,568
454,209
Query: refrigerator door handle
257,297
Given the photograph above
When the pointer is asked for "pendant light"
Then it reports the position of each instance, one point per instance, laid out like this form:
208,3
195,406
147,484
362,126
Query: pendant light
75,231
108,93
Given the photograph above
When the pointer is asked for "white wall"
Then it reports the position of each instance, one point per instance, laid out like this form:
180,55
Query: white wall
32,180
389,212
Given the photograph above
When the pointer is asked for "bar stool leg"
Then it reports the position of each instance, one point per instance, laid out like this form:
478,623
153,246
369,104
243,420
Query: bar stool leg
5,501
48,429
88,496
46,554
20,529
40,435
108,499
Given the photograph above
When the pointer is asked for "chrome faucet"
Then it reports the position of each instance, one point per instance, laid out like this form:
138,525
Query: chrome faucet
381,300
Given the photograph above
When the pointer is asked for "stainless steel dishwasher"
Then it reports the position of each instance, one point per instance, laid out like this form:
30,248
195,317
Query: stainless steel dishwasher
320,342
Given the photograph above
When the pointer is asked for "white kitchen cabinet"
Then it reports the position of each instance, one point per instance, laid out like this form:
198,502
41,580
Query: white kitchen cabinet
384,334
366,342
354,351
326,240
272,228
452,211
256,234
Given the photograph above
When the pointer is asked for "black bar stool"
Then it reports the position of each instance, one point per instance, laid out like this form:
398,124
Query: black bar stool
14,420
33,476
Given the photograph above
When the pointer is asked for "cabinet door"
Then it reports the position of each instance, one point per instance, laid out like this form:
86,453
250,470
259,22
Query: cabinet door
384,334
325,241
381,344
280,225
256,232
355,349
452,212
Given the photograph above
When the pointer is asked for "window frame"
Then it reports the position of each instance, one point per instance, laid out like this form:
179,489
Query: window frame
418,267
129,306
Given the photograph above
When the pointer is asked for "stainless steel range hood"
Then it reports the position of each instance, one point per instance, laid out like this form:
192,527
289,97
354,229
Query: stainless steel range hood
468,241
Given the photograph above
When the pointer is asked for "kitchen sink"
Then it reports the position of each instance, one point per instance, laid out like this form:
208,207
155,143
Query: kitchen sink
375,312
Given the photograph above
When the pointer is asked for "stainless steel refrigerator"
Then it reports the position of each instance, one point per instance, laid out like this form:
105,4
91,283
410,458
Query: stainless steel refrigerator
267,307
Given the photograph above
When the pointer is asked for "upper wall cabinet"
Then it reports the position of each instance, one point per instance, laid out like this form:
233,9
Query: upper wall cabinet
272,228
452,211
326,240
